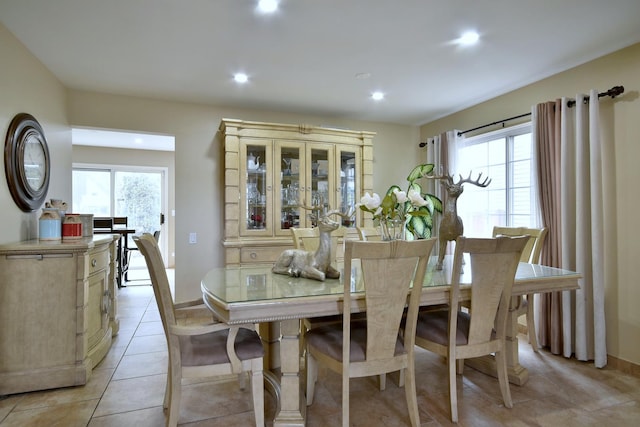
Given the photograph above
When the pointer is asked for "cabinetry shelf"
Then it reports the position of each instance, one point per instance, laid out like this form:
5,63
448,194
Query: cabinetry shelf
272,169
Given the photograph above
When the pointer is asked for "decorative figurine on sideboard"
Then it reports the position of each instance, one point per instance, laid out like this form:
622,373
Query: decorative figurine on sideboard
451,225
309,264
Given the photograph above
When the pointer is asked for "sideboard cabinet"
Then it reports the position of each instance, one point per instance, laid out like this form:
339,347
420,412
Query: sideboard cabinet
273,169
57,311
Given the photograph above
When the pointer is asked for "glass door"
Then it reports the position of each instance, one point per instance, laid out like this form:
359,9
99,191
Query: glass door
136,193
289,193
256,189
320,186
348,161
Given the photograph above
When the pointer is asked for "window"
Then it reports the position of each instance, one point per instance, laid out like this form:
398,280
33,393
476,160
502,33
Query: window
505,156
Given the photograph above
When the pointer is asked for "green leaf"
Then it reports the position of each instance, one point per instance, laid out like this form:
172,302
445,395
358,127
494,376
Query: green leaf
414,186
388,203
420,171
391,189
437,203
419,227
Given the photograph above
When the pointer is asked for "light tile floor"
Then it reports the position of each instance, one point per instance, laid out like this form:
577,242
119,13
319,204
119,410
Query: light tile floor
126,389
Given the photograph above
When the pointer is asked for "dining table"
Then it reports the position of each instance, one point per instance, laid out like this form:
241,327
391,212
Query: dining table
277,303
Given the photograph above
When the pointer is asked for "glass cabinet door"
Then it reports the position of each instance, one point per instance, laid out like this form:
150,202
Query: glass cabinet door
255,188
348,189
320,187
289,194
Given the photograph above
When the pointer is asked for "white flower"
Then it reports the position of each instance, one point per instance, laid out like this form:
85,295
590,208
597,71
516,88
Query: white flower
401,196
371,202
416,198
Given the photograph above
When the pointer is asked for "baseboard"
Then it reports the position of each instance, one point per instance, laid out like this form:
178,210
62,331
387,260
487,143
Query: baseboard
621,365
624,366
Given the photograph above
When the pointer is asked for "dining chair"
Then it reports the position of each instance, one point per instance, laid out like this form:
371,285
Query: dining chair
102,224
374,345
120,221
309,236
200,350
369,234
530,254
457,334
308,239
156,236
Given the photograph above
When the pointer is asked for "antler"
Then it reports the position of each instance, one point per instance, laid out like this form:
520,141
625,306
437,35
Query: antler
347,215
311,208
449,178
477,182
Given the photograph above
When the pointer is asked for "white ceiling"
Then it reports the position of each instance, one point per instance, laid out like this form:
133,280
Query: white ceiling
305,58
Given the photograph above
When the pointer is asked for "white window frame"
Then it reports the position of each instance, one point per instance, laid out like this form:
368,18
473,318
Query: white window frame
492,217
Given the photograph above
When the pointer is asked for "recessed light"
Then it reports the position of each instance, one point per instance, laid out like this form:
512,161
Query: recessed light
267,6
240,78
362,76
377,96
469,38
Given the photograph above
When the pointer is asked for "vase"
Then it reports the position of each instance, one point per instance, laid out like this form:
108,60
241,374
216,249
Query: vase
71,227
49,225
391,229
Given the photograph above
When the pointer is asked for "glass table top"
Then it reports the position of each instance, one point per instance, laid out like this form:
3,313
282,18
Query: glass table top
246,284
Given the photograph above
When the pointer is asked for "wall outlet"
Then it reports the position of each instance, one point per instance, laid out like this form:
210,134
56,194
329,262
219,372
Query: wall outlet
193,238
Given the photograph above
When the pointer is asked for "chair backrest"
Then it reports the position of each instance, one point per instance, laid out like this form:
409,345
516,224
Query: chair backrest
308,239
305,238
102,223
388,271
159,280
533,249
493,264
121,221
369,234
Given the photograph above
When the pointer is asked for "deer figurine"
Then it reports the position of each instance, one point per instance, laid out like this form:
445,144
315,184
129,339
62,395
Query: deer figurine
312,265
451,224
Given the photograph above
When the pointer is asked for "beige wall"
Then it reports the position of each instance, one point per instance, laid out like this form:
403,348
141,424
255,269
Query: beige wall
27,86
622,300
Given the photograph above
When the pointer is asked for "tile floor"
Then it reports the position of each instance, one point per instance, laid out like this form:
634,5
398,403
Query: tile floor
126,389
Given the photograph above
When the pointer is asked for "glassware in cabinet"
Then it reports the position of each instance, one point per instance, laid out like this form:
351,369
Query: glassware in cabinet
320,186
289,194
255,159
348,162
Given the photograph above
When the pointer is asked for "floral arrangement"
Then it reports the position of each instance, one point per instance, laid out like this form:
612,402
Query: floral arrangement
410,210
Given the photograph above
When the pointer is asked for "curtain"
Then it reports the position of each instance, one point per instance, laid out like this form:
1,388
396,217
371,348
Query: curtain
573,163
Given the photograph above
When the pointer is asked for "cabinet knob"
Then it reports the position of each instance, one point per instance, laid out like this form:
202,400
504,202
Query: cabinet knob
94,262
253,255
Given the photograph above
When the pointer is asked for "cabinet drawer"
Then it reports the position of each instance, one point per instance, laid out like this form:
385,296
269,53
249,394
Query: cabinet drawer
98,260
255,255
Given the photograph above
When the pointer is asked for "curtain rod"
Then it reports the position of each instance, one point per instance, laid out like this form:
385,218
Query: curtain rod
613,92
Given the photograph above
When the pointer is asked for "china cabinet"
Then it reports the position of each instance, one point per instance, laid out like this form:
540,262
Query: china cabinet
272,169
57,310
